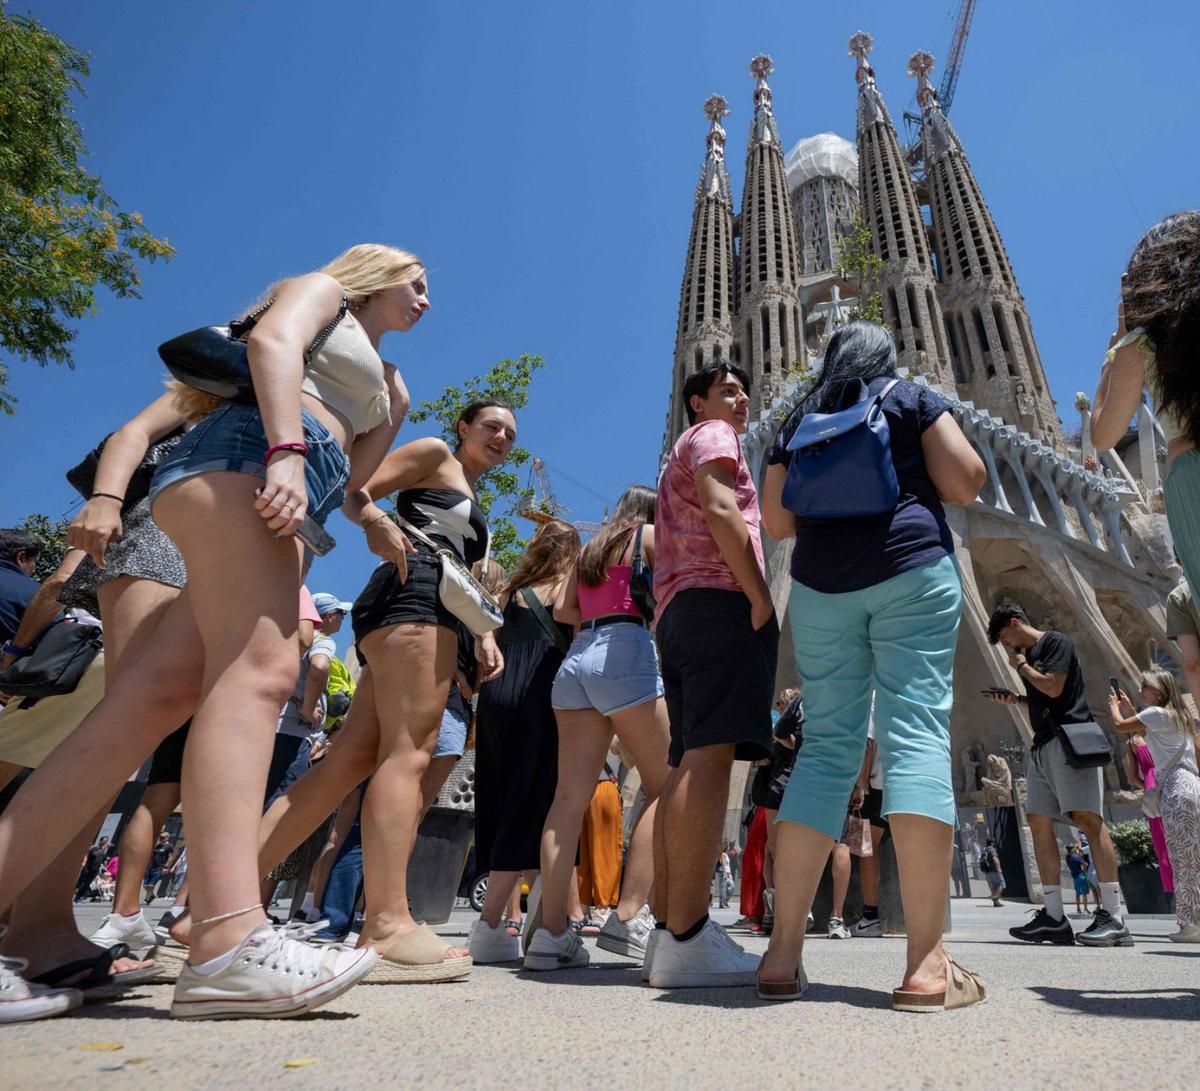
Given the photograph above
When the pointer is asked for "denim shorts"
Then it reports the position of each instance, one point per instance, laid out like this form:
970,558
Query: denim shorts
452,736
232,438
610,669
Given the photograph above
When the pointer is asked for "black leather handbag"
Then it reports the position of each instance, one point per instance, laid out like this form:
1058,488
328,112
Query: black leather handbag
214,358
1085,746
56,664
82,477
641,581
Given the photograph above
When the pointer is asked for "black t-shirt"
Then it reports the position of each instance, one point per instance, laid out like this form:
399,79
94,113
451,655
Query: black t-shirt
838,555
158,858
1055,654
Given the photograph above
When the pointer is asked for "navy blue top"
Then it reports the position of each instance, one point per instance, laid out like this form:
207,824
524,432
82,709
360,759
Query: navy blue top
838,555
16,589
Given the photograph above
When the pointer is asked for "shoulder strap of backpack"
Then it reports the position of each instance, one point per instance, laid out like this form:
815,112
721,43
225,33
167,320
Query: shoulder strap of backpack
544,619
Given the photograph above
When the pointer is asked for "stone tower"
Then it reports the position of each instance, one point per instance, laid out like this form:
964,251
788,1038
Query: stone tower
995,358
705,330
910,303
822,176
769,330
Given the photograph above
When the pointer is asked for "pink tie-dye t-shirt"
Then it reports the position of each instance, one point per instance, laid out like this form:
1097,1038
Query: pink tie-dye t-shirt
685,552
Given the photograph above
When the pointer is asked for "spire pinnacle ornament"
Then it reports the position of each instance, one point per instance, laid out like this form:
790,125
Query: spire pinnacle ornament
715,108
920,67
761,66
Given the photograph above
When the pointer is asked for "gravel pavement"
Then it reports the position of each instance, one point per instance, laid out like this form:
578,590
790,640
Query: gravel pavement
600,1027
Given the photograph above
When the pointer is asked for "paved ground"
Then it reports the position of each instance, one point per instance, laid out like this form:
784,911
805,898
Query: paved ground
1109,1013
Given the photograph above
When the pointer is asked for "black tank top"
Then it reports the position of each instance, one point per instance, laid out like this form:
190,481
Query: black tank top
450,518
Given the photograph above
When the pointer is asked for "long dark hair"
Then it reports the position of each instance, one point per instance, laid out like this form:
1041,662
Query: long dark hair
858,350
635,508
472,410
1162,294
549,556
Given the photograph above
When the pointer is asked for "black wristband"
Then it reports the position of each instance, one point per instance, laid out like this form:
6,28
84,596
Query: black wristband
108,496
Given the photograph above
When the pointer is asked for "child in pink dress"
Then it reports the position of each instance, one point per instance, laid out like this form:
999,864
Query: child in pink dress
1145,768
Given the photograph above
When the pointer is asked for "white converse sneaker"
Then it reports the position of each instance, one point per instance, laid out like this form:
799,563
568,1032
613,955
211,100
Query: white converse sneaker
135,931
272,974
21,1001
550,952
651,947
838,929
629,937
864,927
709,959
490,945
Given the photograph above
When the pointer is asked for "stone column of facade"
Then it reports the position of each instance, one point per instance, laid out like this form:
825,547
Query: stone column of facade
910,303
822,176
996,364
769,328
704,333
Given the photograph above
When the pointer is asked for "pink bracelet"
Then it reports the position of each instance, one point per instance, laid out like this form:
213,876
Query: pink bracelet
300,448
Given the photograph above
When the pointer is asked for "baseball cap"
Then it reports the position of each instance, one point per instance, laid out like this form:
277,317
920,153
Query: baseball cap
327,603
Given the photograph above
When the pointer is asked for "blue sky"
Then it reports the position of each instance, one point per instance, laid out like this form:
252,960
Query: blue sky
542,158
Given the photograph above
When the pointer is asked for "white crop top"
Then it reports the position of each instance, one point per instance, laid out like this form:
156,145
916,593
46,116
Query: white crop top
347,375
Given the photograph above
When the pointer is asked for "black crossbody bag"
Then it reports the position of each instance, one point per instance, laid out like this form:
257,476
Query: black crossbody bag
1085,746
56,664
546,622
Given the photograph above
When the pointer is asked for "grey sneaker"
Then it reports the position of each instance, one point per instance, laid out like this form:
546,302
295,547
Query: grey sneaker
550,952
864,927
274,974
1105,931
768,917
21,1001
628,938
651,944
135,931
838,929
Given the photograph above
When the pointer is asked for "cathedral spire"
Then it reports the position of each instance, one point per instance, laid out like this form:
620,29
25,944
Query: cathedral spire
704,334
996,361
890,207
770,338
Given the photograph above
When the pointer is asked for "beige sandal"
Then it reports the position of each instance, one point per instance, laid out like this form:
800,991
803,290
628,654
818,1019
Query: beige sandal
781,990
417,956
963,989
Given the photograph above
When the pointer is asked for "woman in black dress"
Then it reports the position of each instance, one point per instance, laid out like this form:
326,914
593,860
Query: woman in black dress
516,750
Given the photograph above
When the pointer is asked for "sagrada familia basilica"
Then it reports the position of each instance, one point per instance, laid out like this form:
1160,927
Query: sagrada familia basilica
1079,540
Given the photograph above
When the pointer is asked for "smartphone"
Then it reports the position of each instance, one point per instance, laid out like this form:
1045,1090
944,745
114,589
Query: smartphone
315,536
995,691
1115,684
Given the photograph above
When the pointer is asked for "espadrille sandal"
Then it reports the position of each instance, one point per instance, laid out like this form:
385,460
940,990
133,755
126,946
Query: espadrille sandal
417,956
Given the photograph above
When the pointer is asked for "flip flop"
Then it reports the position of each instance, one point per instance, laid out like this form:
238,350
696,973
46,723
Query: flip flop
963,989
98,971
417,956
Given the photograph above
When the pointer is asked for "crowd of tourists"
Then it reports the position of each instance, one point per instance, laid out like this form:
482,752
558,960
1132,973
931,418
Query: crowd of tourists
656,642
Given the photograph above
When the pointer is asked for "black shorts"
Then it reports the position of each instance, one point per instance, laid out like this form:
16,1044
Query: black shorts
386,601
166,767
771,781
718,673
872,804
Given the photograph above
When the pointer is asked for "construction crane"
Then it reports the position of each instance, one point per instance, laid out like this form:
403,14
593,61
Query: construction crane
950,74
542,506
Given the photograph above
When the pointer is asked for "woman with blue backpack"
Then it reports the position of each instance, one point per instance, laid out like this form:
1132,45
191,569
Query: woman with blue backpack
858,475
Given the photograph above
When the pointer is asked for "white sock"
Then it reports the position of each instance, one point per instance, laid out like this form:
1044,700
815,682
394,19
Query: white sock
1052,900
215,965
1110,899
307,905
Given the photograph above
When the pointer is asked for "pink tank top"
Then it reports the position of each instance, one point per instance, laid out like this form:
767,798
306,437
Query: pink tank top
611,597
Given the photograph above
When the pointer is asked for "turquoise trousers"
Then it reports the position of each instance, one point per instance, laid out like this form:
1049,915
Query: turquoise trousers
895,639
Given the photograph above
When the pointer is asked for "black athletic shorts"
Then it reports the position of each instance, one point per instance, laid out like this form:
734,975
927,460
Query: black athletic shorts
871,807
386,601
166,767
718,673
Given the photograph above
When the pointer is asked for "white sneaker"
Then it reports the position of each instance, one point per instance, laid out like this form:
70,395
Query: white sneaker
273,975
488,945
838,929
21,1000
135,931
162,930
651,947
1188,933
629,937
863,927
533,914
709,959
550,952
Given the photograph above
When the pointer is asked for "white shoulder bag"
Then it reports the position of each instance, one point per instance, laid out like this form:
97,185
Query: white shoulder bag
460,592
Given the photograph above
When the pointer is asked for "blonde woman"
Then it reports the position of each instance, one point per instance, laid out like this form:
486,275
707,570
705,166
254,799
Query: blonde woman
1170,733
232,495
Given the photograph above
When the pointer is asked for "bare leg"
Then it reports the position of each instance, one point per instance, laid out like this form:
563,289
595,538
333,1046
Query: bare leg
574,902
413,665
584,736
769,851
841,879
868,869
347,813
695,816
435,777
1045,849
923,849
799,863
661,873
137,843
502,886
644,733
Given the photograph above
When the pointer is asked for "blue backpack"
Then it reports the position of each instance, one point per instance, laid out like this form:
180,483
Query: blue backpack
841,464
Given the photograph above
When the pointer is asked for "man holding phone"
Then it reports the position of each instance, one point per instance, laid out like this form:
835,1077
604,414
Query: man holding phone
1055,694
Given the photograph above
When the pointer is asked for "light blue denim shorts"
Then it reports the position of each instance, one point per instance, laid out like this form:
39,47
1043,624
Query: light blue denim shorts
452,735
232,438
610,669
